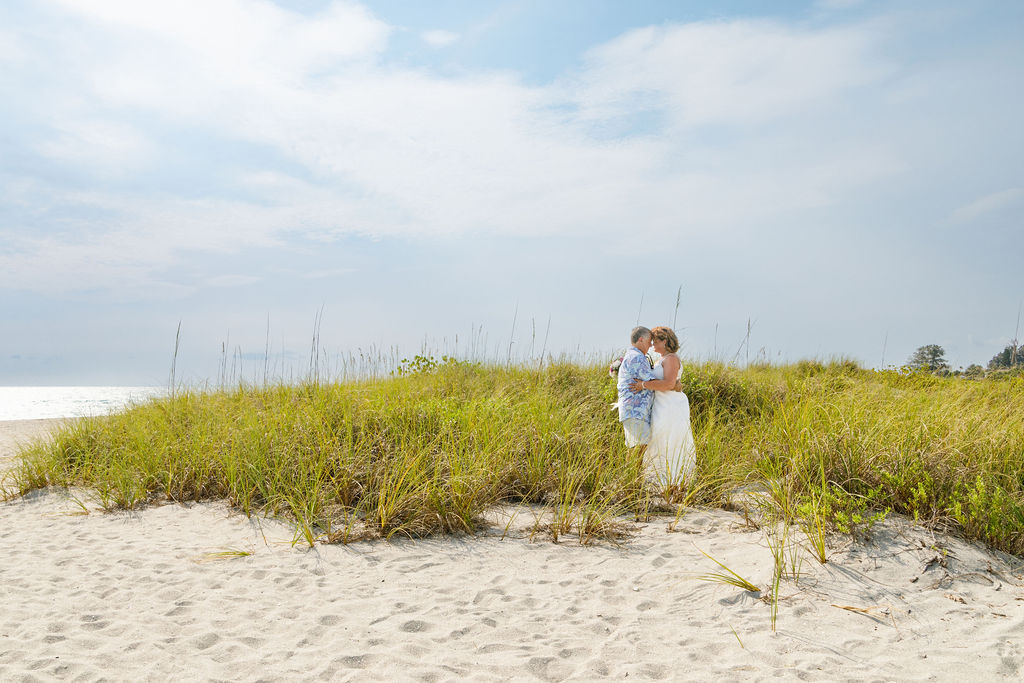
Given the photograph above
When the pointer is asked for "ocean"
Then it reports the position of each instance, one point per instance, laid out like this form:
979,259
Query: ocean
34,403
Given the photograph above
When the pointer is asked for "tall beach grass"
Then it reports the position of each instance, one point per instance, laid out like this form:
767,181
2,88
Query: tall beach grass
430,450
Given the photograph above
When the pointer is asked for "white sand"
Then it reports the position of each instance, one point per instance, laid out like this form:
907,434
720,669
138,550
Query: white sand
126,596
14,433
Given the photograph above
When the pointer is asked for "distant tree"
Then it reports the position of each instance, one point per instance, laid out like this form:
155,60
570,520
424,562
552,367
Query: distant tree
974,371
1011,356
930,357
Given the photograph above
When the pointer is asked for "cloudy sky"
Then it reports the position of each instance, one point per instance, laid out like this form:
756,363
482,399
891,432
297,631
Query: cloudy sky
844,176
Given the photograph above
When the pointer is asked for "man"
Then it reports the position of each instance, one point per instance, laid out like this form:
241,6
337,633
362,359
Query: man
635,407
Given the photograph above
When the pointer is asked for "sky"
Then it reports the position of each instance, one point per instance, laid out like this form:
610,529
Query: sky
785,180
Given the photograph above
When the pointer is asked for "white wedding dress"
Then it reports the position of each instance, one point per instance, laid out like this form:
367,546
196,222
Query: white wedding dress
671,456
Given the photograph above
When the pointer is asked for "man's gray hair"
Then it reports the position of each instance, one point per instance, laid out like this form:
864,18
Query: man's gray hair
638,333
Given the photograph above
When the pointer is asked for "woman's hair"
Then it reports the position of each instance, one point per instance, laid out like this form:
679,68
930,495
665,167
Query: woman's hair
666,335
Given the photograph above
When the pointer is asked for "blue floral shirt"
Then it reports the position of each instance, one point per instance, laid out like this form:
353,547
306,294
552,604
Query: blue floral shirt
634,366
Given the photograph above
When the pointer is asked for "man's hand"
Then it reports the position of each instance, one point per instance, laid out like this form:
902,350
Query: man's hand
678,386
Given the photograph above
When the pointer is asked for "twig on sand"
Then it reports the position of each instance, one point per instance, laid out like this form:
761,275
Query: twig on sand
737,637
229,554
861,610
883,611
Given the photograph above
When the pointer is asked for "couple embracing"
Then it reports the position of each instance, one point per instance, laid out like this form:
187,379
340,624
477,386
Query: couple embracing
654,411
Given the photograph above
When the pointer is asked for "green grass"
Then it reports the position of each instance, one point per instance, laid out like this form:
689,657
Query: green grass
430,450
730,578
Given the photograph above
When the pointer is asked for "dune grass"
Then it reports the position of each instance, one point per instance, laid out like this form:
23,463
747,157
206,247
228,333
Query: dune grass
834,447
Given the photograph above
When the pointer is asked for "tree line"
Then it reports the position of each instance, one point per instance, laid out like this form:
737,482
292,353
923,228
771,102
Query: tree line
933,357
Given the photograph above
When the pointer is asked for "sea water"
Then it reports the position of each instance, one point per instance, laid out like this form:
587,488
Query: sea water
34,403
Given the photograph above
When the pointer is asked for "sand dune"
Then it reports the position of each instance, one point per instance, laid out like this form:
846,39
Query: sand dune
144,596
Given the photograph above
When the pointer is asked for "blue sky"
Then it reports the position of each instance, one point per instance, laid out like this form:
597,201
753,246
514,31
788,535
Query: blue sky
845,175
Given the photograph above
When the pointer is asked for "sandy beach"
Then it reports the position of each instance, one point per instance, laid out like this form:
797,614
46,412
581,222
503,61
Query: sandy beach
202,593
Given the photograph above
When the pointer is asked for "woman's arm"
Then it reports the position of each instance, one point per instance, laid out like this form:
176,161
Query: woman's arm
670,364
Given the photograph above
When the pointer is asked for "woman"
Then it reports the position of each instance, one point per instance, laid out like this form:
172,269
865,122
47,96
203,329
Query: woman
671,455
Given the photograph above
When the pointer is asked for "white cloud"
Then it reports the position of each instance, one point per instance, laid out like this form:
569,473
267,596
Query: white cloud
738,72
376,149
990,203
439,38
12,51
838,4
242,36
112,145
325,274
233,280
132,243
191,59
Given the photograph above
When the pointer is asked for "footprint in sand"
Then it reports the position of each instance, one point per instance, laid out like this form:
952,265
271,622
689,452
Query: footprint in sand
661,560
458,633
205,641
357,661
414,626
657,672
1009,657
482,595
